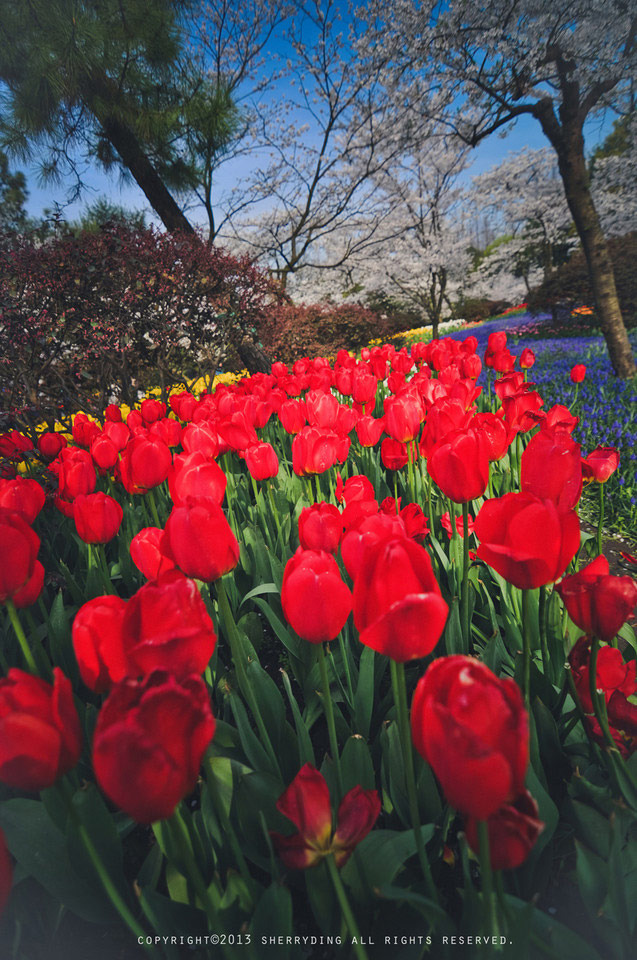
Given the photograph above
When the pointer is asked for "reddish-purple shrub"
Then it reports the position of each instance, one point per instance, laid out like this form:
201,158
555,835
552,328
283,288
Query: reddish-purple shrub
292,330
86,316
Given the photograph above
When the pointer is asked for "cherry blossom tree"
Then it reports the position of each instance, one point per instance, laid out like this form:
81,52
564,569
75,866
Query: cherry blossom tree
523,197
426,257
325,145
479,67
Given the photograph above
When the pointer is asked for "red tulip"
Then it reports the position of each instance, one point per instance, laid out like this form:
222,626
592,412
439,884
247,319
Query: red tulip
200,540
167,430
364,385
183,404
320,527
147,554
19,546
393,454
145,464
521,409
471,366
113,413
495,344
105,452
22,495
50,444
369,430
403,415
596,601
557,417
118,433
97,516
551,468
444,417
459,465
29,593
511,384
193,477
166,627
202,438
617,681
40,735
76,474
261,461
292,415
445,523
98,643
398,606
237,431
528,541
149,741
371,529
472,729
306,802
314,451
14,445
493,433
84,430
527,358
600,464
513,832
322,409
152,410
578,372
316,603
355,489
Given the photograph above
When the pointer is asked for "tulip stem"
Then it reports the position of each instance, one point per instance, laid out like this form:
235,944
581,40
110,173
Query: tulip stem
526,639
548,666
113,894
153,507
430,518
464,596
236,648
22,640
275,512
103,568
329,716
411,460
346,910
400,699
345,649
600,522
599,708
486,875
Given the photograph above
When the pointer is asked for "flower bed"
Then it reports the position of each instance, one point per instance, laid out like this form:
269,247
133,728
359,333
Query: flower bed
315,662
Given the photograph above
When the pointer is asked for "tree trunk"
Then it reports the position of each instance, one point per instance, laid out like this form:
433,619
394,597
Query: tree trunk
159,197
253,357
572,165
145,175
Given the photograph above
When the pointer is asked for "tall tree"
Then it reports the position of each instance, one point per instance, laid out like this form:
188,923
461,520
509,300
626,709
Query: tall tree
480,66
95,76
